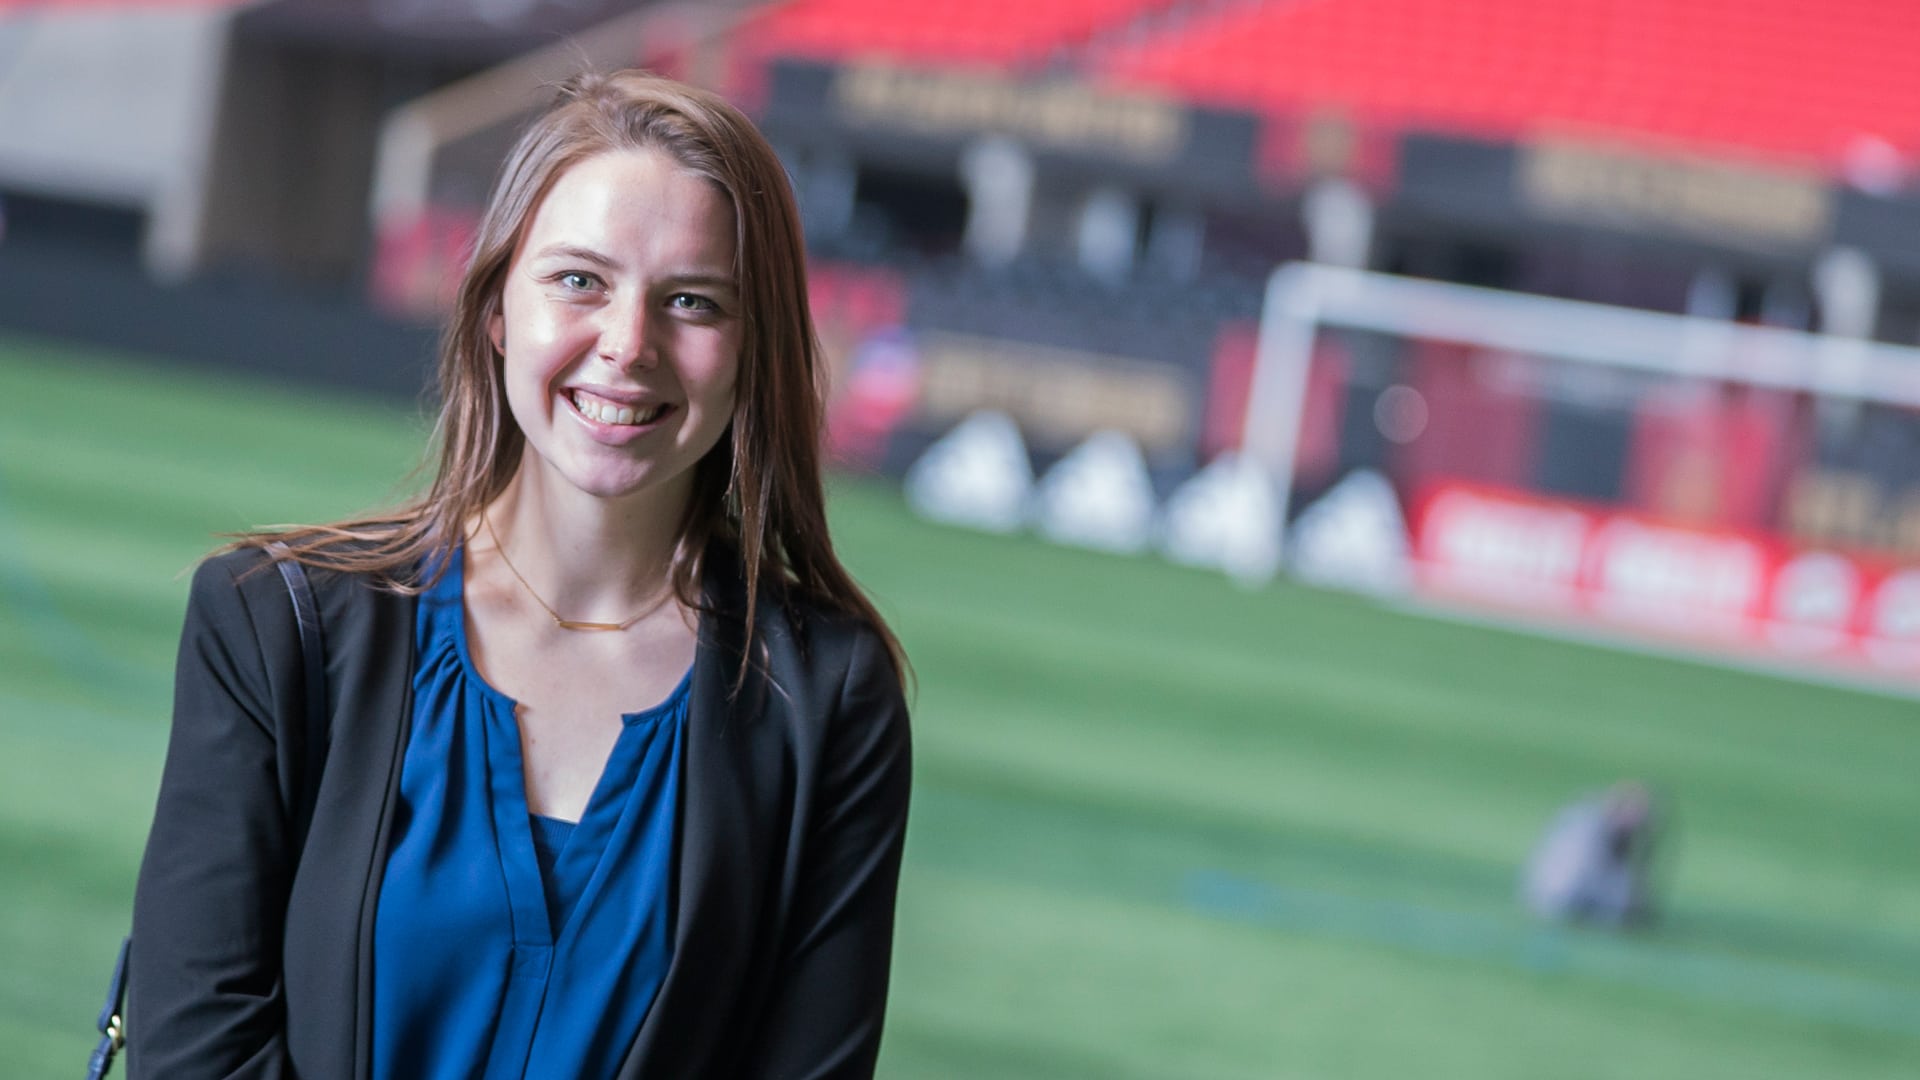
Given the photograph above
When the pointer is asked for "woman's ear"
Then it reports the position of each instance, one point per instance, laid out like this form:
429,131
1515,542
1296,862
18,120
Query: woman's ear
497,332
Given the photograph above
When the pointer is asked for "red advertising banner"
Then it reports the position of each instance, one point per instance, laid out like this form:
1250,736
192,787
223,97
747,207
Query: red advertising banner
1711,586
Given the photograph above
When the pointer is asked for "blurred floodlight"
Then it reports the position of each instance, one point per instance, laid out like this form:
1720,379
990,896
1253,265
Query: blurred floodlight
1400,412
999,175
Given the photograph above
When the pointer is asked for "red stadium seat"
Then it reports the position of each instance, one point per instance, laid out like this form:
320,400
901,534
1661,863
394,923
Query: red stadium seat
1000,32
1779,79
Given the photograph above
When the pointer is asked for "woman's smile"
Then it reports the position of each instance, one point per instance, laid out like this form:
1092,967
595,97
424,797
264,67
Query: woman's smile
613,421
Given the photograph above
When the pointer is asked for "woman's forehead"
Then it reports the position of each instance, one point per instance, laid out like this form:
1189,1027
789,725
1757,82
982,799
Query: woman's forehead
639,201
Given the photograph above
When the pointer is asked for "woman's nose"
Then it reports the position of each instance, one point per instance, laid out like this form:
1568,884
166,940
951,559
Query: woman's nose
626,333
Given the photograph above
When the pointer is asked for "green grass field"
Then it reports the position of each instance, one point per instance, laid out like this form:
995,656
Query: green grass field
1162,827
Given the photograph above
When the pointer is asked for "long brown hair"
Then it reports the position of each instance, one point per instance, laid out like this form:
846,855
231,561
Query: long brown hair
759,489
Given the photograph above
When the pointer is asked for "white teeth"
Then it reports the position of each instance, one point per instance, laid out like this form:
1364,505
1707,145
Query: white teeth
607,412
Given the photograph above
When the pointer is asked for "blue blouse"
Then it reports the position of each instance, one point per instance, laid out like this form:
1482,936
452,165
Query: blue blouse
492,957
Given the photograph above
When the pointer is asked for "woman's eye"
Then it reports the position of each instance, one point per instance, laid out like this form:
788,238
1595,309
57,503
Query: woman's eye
574,279
690,302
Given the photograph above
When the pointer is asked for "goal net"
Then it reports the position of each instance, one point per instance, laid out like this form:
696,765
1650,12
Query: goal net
1673,476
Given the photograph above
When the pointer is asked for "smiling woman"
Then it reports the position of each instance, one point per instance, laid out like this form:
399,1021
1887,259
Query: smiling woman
620,326
616,759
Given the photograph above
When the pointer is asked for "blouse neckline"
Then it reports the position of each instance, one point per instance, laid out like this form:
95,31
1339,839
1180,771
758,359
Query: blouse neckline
450,590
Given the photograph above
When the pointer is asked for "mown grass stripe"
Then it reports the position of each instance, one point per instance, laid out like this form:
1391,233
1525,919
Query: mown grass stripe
1091,733
1641,962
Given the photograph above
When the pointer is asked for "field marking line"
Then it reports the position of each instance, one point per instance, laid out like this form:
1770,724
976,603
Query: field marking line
62,641
1544,949
1623,640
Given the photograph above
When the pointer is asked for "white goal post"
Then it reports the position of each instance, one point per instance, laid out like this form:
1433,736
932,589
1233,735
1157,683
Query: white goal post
1302,298
1738,582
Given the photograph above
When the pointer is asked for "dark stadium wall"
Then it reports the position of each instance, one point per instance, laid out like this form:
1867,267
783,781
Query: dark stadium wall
250,322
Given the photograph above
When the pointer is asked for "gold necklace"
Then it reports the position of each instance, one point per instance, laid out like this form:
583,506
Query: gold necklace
565,624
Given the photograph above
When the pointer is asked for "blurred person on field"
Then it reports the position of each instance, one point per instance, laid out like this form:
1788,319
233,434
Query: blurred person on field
1593,863
616,754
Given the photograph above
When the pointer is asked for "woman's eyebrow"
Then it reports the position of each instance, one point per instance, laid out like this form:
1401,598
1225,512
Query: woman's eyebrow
573,251
710,280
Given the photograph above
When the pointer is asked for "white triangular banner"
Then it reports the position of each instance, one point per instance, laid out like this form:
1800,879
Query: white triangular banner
1099,496
977,475
1354,537
1226,517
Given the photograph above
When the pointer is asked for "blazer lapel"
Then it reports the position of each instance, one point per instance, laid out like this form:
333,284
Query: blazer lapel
368,642
721,860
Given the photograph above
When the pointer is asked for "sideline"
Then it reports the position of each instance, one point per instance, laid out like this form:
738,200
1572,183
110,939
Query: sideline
1600,636
1645,961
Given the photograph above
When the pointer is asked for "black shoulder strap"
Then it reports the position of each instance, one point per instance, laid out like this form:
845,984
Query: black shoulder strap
112,1026
306,617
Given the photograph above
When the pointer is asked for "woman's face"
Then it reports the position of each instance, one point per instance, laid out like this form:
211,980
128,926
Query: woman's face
620,324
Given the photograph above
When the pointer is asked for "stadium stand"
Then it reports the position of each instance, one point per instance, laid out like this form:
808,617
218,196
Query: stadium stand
122,135
1065,210
1161,156
992,32
1768,77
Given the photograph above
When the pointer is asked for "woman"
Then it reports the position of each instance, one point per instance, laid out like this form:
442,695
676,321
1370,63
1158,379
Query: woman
616,761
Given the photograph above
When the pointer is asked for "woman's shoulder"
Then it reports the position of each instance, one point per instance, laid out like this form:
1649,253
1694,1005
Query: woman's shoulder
260,577
798,636
236,570
244,561
843,648
781,609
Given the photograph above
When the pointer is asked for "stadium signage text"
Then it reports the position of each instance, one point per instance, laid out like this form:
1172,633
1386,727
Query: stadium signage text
1056,115
1503,548
1520,551
1057,396
1714,200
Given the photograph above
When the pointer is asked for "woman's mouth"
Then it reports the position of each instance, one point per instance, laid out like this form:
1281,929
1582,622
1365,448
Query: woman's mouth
601,410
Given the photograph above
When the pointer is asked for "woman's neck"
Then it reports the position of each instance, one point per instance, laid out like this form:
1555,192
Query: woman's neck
586,557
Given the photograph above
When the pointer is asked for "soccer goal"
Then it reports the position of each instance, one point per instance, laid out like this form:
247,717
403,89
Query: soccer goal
1674,475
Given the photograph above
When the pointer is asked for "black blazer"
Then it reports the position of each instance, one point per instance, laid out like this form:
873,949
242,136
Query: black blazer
252,956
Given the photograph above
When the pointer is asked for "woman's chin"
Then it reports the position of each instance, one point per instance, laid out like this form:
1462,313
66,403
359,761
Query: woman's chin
629,484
